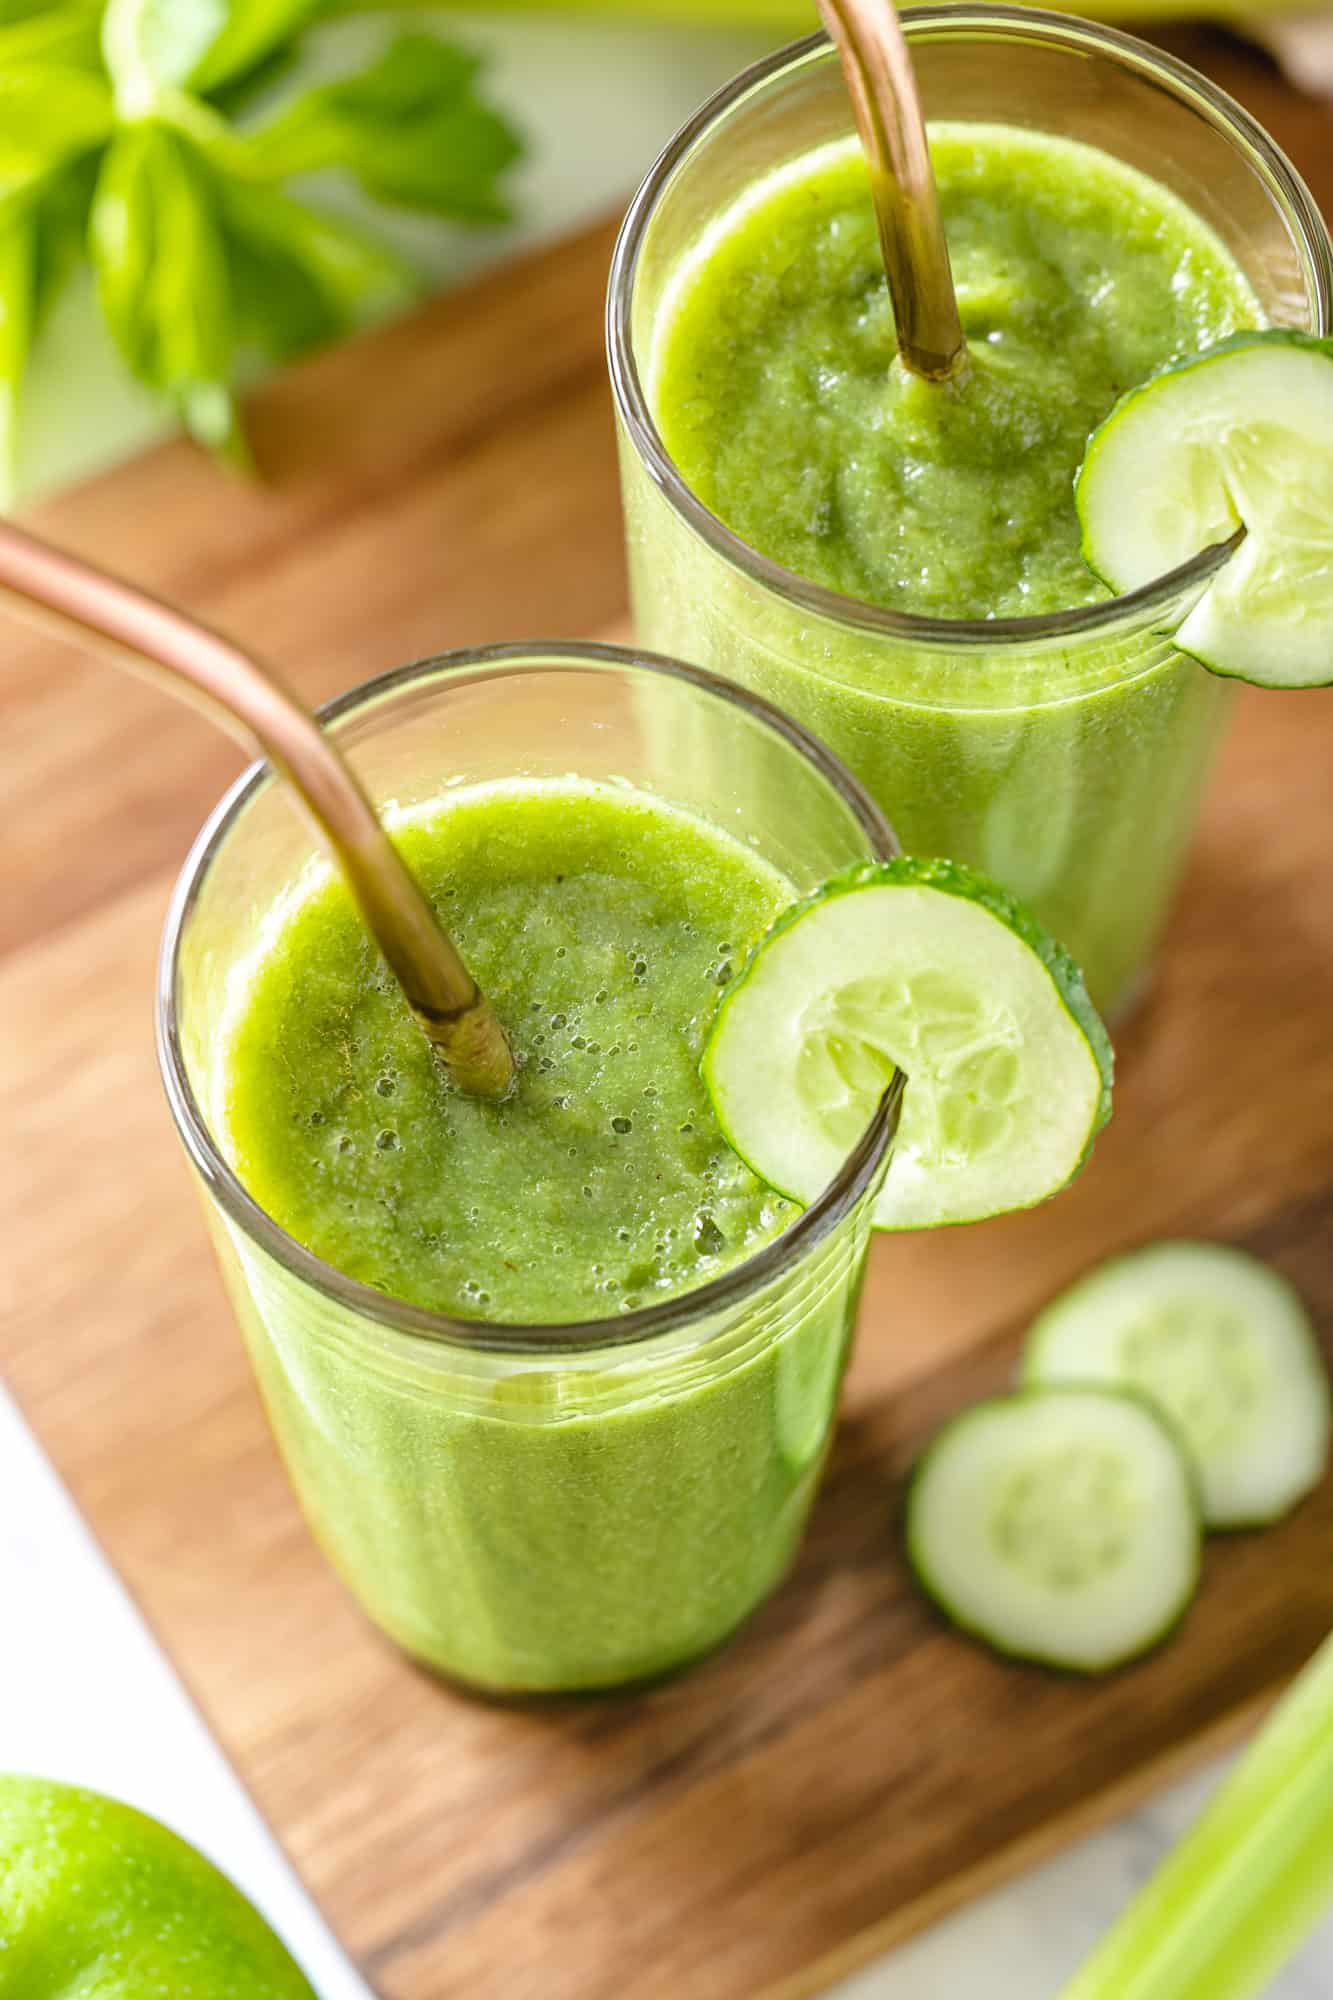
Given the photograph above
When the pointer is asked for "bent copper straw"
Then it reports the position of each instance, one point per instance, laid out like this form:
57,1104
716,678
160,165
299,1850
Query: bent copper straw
48,587
880,80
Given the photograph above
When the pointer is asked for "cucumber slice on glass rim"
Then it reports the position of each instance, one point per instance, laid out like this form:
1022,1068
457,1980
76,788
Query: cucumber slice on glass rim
1240,436
927,967
1060,1525
1223,1346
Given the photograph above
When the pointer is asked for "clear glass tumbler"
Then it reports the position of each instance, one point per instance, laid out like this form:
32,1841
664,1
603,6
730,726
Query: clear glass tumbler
1064,754
534,1509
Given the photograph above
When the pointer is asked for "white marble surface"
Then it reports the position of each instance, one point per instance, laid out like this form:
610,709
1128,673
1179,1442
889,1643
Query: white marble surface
130,1729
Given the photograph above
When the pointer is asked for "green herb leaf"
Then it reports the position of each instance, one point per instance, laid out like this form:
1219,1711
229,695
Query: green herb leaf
162,278
41,237
27,10
61,208
299,277
152,46
48,113
65,34
254,32
12,11
235,94
18,262
411,128
197,45
116,135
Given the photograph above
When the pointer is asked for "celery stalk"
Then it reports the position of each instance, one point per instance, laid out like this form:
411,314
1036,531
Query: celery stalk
1235,1897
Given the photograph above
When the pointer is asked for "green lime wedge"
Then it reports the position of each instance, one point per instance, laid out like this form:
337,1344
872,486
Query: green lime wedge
927,967
1240,436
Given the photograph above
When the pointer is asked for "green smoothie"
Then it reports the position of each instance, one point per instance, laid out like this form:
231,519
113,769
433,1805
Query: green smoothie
780,399
1068,766
602,928
554,1520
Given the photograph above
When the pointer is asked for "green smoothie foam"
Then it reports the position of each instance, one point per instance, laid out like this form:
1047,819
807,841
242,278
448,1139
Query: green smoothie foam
780,399
1069,767
554,1521
602,928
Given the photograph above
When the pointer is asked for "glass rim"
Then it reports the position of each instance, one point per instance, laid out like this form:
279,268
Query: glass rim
625,1329
954,18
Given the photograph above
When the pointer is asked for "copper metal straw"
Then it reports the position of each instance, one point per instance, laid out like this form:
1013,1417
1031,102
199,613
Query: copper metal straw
869,38
46,586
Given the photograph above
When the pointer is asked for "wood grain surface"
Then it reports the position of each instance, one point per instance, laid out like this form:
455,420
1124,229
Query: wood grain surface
849,1767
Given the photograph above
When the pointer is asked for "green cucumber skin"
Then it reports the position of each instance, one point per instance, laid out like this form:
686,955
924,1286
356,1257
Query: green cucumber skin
1252,679
1274,336
959,1619
952,878
1028,1363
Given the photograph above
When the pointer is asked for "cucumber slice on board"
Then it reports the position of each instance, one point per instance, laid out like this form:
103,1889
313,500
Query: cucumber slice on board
1224,1346
1239,436
1060,1525
928,967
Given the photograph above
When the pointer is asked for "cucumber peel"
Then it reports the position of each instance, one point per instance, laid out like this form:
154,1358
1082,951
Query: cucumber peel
927,967
1234,442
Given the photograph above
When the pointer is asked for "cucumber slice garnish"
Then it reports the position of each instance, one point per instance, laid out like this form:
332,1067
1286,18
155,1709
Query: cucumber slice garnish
1060,1525
1226,1349
928,967
1240,436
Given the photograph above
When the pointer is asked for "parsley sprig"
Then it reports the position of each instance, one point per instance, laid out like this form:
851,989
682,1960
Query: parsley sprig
129,136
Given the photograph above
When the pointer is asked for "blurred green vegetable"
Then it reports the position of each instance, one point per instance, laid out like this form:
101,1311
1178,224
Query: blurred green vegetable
1254,1874
787,19
126,136
784,17
410,128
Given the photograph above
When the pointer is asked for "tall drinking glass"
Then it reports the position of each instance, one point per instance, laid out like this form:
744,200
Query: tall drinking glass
535,1508
1064,754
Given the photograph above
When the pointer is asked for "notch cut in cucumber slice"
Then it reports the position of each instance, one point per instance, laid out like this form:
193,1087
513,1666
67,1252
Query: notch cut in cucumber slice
1240,436
1060,1525
927,967
1224,1346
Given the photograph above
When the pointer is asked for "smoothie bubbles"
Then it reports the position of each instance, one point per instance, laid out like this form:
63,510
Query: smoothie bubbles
554,1378
898,562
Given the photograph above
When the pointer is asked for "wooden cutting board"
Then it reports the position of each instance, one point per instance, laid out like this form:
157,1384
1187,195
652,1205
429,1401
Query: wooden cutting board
849,1768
